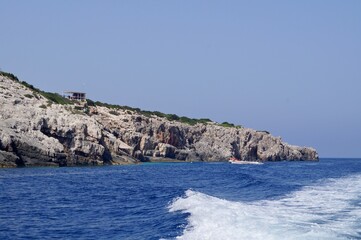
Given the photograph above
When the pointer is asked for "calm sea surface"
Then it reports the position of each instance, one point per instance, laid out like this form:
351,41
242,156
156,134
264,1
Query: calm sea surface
281,200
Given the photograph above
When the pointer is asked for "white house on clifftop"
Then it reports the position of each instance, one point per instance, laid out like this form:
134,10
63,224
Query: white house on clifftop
78,96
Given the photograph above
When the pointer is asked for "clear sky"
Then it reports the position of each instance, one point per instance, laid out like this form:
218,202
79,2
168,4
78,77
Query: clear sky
290,67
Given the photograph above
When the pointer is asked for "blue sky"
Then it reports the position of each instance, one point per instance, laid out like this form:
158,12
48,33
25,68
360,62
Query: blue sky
289,67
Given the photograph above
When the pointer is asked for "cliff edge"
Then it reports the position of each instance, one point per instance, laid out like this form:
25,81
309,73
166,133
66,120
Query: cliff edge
35,130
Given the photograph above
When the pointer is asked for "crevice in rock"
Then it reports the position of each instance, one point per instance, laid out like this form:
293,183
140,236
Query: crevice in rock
19,162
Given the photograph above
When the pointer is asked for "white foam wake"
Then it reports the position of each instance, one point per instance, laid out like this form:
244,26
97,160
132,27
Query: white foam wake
329,210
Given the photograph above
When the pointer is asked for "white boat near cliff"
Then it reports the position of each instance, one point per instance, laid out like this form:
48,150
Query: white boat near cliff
236,161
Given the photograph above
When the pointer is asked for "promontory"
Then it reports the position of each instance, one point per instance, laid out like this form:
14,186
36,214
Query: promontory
38,128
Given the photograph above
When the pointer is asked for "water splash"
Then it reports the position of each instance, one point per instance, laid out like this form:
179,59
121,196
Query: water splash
328,210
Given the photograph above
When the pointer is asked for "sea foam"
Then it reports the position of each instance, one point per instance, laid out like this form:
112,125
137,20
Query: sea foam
329,210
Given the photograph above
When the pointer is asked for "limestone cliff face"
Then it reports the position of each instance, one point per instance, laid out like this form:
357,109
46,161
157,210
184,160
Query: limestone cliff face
36,132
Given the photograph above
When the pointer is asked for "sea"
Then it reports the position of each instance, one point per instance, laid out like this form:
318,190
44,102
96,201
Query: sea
276,200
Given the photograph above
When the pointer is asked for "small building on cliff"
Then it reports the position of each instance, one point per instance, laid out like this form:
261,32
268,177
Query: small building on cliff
77,96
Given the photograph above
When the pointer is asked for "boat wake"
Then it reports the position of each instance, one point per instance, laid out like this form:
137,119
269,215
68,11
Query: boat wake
328,210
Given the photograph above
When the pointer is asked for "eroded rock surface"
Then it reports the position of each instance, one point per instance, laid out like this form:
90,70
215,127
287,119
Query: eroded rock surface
36,132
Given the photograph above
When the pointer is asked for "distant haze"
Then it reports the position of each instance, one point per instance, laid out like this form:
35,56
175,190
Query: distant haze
290,67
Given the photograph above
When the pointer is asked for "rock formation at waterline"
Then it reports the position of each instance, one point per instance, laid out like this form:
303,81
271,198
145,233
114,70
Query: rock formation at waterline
35,131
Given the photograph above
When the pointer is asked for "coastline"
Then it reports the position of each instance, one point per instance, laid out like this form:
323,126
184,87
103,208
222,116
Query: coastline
38,128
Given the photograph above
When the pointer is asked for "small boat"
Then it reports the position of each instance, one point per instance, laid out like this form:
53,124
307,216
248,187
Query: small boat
237,161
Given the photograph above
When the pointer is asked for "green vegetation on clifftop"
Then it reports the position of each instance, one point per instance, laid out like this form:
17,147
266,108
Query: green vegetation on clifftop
170,117
58,99
53,97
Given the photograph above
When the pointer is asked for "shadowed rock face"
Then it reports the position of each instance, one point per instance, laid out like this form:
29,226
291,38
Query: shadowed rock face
34,132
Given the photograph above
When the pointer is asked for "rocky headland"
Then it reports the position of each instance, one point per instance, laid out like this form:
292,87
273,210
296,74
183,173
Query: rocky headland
36,129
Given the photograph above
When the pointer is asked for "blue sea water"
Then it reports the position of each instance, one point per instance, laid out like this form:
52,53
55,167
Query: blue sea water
278,200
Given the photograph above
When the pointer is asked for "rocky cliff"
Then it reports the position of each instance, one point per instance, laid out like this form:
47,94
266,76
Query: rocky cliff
36,131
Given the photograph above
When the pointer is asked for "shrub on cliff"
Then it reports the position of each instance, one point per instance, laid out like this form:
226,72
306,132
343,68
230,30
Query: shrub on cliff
29,86
56,98
9,75
227,124
90,103
114,112
231,125
172,117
